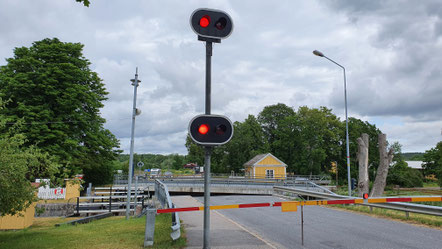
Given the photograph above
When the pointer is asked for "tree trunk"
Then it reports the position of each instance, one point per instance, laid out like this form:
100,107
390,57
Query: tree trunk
363,183
385,159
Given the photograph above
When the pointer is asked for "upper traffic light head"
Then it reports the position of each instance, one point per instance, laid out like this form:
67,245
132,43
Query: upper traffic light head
210,130
210,23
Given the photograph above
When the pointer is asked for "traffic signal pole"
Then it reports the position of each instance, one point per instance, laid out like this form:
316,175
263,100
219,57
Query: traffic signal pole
208,149
211,26
208,75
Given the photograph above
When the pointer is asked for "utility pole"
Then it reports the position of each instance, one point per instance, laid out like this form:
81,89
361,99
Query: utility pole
132,133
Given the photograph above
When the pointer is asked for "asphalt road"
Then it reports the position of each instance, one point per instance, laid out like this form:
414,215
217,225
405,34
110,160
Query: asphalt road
325,227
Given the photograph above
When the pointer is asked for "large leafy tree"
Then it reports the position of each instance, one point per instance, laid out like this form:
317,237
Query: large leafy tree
51,87
433,162
19,166
270,119
308,140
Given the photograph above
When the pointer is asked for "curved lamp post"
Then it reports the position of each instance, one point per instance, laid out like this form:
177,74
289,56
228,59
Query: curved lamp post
318,53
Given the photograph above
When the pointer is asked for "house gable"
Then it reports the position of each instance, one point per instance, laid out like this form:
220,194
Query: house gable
268,160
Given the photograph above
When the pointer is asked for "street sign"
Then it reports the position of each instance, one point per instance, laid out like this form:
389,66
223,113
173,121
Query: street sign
140,164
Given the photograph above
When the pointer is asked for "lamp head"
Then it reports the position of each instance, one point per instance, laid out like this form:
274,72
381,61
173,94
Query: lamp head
316,52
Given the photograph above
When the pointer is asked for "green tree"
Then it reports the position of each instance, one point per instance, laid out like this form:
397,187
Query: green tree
195,153
433,162
320,139
270,119
248,141
52,88
400,174
85,2
308,140
19,166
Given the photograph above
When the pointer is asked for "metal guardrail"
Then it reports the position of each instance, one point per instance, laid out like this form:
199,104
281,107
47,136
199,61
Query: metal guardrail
398,206
216,179
162,194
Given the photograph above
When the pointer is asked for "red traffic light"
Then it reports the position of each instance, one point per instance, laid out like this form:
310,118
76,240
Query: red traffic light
365,195
210,130
203,129
205,21
210,23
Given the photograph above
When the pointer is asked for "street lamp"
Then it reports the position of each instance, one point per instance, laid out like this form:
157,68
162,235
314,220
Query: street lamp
135,112
318,53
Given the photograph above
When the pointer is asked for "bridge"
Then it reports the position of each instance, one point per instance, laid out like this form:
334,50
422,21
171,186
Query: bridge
229,185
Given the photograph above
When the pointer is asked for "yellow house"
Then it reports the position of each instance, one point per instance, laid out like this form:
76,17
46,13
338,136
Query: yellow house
266,166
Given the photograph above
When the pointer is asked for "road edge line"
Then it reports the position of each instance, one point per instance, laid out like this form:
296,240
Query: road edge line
245,229
242,227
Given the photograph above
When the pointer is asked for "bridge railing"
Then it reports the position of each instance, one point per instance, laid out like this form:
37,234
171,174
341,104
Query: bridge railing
226,179
162,194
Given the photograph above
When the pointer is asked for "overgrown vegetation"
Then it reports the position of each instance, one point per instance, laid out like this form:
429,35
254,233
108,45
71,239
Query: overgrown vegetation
114,232
19,165
433,162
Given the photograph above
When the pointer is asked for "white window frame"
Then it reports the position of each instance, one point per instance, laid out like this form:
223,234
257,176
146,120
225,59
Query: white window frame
270,173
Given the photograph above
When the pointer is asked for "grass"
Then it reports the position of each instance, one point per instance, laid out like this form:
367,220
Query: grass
113,232
431,184
417,219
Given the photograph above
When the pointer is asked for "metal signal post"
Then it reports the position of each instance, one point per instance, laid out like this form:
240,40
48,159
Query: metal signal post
208,149
210,26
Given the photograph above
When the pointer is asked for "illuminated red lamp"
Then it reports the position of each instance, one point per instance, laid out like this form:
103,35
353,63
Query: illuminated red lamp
365,195
205,21
203,129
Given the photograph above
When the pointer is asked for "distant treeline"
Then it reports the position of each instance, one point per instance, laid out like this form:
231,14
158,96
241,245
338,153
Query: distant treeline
172,161
413,156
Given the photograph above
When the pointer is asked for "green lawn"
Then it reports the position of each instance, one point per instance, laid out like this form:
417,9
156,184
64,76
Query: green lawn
113,232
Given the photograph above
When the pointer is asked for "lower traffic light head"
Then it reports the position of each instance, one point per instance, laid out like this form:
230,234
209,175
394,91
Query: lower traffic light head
210,130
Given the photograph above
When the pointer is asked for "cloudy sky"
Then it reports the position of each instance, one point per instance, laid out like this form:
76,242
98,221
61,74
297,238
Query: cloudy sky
392,52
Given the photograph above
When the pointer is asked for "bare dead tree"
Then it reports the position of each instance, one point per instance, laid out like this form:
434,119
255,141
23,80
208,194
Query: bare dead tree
363,183
385,159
